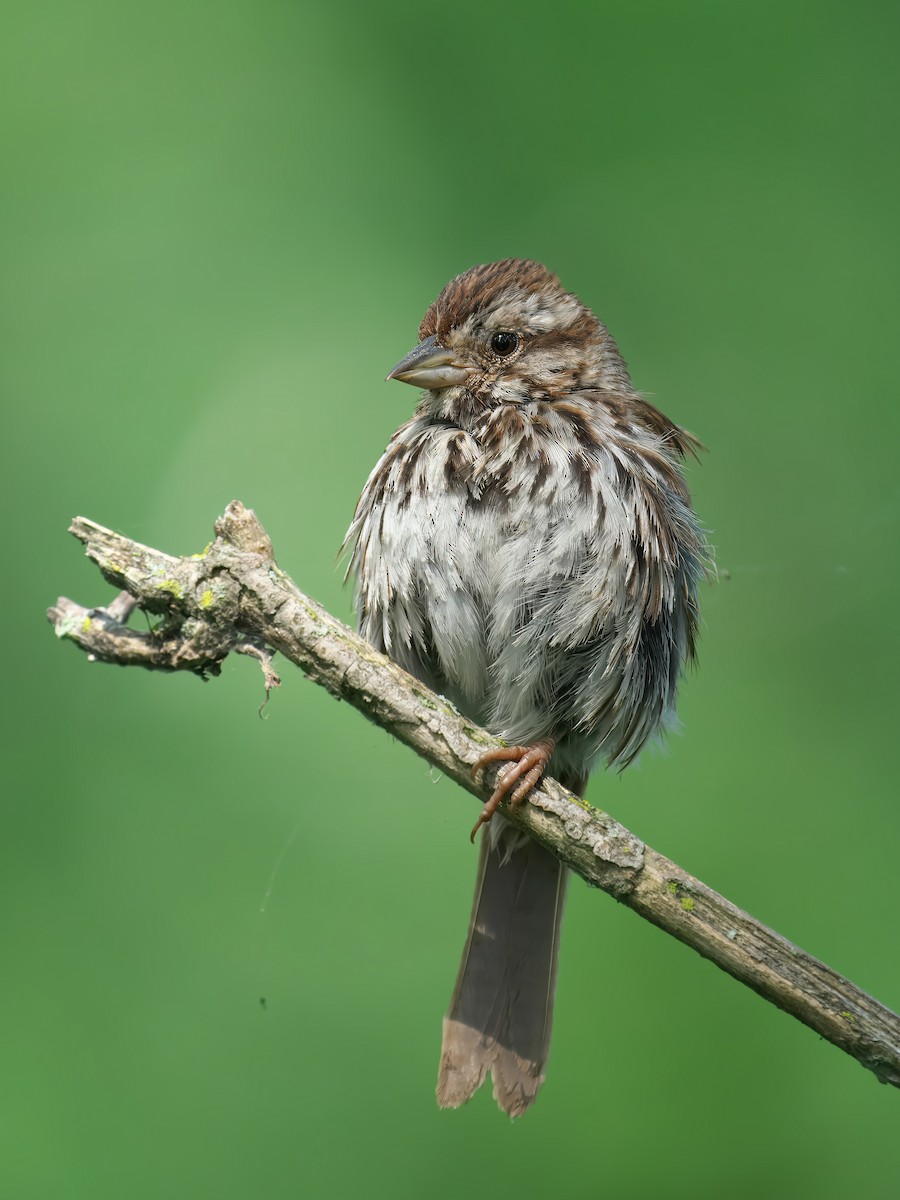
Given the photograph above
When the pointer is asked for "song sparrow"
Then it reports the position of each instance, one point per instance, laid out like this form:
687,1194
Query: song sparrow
526,546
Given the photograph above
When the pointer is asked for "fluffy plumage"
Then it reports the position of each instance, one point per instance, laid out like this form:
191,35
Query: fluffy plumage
526,546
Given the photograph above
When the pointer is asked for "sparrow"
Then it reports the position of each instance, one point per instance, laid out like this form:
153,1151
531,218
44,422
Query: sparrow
526,546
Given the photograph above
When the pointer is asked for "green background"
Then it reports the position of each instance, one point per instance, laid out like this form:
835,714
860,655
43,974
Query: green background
221,224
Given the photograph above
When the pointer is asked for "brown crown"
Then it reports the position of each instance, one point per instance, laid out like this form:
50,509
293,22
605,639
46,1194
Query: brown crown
478,288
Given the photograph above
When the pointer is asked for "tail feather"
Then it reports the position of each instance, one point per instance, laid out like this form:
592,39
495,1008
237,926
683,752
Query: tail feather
502,1008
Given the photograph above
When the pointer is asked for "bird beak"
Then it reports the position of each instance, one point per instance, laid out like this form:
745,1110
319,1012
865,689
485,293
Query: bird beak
431,366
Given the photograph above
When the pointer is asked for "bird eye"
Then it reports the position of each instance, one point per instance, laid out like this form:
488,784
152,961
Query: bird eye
504,343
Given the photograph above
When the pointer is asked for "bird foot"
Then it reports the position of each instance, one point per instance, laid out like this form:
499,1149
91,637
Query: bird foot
528,764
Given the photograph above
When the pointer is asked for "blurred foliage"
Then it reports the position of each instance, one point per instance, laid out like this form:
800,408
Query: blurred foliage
221,224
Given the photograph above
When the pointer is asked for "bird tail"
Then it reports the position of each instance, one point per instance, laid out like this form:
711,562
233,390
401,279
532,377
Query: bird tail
501,1013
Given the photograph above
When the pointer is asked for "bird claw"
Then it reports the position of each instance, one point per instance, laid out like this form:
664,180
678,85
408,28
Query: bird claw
528,764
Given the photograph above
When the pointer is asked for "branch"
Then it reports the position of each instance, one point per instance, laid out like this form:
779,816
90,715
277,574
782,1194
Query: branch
233,598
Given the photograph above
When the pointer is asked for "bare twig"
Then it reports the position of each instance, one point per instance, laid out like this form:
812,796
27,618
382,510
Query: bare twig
233,598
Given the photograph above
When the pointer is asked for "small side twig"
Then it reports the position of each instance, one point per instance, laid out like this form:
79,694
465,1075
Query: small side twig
263,656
